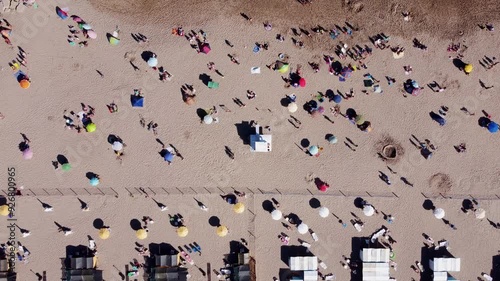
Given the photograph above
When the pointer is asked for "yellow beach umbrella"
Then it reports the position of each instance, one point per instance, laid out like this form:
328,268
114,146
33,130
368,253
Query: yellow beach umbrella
4,210
182,231
141,234
104,233
222,231
468,68
239,208
91,127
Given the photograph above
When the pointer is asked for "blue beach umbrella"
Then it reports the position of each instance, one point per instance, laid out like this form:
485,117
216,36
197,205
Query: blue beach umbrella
94,181
137,101
337,98
493,127
313,150
168,156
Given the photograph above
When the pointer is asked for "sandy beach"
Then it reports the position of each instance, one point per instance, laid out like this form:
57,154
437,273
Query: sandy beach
64,76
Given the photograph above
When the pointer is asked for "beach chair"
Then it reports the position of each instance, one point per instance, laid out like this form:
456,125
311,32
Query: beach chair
196,248
92,244
305,244
329,277
314,236
322,264
186,257
213,85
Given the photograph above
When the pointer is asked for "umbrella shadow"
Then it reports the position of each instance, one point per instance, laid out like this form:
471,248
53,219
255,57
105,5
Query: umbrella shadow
351,113
201,113
328,136
305,143
214,221
146,55
458,63
314,203
268,206
467,205
83,205
98,223
359,202
285,102
483,122
135,224
205,78
44,205
114,138
61,159
91,175
428,205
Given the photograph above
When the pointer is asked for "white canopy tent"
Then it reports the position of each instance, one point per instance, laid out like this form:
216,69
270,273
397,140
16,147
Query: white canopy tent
376,271
303,263
445,264
260,143
375,255
309,275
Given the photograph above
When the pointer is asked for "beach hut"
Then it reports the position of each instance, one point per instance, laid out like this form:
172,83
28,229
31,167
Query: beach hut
375,265
445,264
137,100
259,142
81,268
6,272
308,267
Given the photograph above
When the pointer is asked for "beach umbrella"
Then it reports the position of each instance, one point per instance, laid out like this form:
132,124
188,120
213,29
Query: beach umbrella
182,231
25,83
189,100
468,68
303,228
212,85
313,150
104,233
113,40
76,19
324,212
27,153
91,34
90,127
239,208
4,210
169,157
337,98
346,72
141,234
222,231
208,119
493,127
66,167
62,14
302,82
359,119
86,26
321,109
152,61
276,214
137,101
398,55
284,68
94,181
315,113
205,48
368,210
332,139
438,213
117,146
480,213
324,187
292,107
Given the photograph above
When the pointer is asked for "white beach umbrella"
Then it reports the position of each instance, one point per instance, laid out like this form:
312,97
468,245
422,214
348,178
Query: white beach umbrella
368,210
480,213
439,213
303,228
276,214
117,146
292,107
324,212
208,119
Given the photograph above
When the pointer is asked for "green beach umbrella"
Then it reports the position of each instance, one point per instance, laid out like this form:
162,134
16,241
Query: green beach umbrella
66,167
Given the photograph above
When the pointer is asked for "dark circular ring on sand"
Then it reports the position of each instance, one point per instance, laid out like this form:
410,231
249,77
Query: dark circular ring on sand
389,151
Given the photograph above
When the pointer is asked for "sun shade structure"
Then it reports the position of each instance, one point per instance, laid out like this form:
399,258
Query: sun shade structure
375,264
445,264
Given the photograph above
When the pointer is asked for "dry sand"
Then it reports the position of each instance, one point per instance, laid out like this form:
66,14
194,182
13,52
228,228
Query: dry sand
63,76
